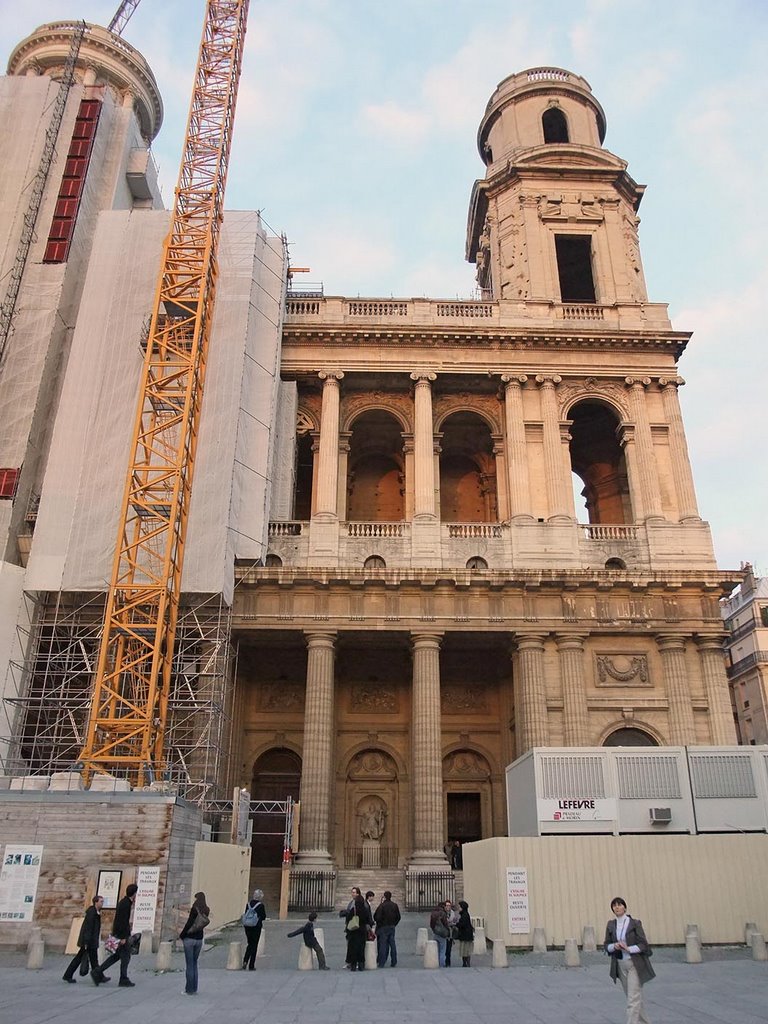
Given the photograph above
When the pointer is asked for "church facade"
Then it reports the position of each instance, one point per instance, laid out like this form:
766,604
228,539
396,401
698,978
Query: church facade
435,601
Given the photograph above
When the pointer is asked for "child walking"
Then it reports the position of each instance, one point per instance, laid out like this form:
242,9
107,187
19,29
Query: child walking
310,940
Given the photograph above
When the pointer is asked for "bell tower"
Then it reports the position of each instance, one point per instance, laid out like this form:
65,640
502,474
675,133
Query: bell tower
555,218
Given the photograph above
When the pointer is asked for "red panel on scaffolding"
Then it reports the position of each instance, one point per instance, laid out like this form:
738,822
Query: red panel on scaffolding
71,188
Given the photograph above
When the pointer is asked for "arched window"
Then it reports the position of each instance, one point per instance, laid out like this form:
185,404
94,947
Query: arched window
273,561
374,562
467,471
555,125
276,775
615,563
598,461
302,499
476,562
375,477
630,738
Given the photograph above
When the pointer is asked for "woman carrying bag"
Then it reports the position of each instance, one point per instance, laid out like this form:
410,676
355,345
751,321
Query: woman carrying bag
192,937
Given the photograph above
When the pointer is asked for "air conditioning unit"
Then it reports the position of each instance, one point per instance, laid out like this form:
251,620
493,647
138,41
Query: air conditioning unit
660,815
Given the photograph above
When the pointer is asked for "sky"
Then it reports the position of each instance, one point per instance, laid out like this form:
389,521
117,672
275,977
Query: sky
356,137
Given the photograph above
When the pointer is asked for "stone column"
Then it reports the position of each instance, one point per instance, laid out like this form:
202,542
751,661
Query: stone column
721,723
517,456
532,726
428,826
559,491
328,454
570,647
626,437
681,728
499,481
317,761
644,452
423,445
687,508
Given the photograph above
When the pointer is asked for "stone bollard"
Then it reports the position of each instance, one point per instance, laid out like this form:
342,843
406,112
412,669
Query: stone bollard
499,958
421,941
370,955
572,957
35,955
480,948
235,956
262,948
692,929
164,956
430,952
36,935
306,958
145,945
759,951
539,941
692,949
588,940
749,928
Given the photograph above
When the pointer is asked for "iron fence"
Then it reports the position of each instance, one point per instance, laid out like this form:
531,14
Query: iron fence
311,890
425,889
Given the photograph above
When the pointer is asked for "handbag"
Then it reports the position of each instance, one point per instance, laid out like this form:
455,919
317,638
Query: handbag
454,932
353,923
441,930
111,943
85,967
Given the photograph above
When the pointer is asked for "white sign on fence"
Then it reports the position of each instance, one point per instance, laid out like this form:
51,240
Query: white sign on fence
19,875
577,810
148,881
517,901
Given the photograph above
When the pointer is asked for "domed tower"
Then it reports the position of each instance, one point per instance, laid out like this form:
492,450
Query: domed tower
78,111
555,218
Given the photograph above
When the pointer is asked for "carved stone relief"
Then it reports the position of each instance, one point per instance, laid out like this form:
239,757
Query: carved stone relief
399,404
622,670
372,764
281,696
591,388
458,699
515,278
373,697
465,764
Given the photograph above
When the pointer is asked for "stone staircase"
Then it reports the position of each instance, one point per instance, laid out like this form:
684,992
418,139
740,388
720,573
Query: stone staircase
379,880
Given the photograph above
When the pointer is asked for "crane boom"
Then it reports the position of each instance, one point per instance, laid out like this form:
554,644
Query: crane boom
122,16
129,706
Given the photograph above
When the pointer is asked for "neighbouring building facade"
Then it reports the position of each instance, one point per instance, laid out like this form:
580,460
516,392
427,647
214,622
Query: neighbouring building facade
391,594
746,620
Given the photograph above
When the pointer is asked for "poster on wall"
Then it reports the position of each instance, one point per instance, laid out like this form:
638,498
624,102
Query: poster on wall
109,888
19,875
145,907
517,901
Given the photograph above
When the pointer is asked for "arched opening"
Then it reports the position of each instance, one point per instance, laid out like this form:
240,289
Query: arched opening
375,474
273,561
302,498
477,562
374,562
276,775
598,461
555,125
615,563
466,781
467,471
630,738
372,816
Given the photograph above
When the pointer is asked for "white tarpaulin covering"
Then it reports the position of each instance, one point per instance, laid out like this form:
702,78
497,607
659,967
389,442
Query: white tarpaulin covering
76,530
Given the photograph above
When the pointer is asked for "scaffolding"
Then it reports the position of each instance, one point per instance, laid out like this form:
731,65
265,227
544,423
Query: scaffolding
46,716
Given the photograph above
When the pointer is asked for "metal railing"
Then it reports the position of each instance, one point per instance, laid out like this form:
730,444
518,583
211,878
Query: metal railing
311,890
425,889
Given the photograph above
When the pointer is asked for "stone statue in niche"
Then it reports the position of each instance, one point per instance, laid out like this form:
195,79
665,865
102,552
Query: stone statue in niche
373,821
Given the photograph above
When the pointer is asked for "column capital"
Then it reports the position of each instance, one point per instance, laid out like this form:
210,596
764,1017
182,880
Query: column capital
514,380
671,641
637,382
423,376
430,639
673,383
548,380
530,641
327,376
320,638
571,641
711,643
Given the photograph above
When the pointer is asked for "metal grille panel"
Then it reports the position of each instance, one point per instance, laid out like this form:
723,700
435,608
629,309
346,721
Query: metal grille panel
653,777
572,777
722,776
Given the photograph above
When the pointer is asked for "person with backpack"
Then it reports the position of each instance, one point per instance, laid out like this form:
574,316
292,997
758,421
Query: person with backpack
252,920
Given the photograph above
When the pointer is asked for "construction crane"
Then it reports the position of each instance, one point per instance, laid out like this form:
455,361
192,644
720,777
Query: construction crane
129,706
122,16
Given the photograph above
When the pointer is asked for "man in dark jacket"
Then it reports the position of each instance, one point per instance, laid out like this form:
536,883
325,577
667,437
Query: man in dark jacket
87,941
310,940
121,929
387,918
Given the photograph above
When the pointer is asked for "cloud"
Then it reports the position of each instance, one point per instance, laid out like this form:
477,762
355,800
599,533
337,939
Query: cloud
394,121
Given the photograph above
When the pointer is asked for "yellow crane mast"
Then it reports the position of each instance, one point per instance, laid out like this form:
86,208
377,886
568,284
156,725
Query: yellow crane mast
127,723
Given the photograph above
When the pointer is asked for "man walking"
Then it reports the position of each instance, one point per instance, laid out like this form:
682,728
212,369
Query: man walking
87,942
387,918
121,929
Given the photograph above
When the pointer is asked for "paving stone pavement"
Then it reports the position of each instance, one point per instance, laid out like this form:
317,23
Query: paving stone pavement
727,988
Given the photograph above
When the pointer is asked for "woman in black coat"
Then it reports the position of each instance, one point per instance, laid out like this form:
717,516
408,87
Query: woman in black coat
357,936
192,938
255,913
87,942
465,933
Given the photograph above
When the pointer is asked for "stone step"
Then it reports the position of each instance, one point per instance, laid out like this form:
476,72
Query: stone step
376,879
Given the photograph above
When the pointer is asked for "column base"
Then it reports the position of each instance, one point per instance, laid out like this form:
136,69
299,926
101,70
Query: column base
313,859
428,860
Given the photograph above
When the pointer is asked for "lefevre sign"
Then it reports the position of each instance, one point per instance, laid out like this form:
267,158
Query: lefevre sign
577,809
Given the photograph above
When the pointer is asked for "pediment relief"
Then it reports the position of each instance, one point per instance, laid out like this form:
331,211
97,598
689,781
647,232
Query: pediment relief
558,157
465,764
372,764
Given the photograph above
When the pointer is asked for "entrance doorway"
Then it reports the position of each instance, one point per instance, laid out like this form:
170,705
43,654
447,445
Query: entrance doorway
464,817
276,775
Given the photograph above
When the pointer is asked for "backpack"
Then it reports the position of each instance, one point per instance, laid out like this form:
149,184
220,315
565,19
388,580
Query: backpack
251,916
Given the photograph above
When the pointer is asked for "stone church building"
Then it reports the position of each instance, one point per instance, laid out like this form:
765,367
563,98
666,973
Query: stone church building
433,605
